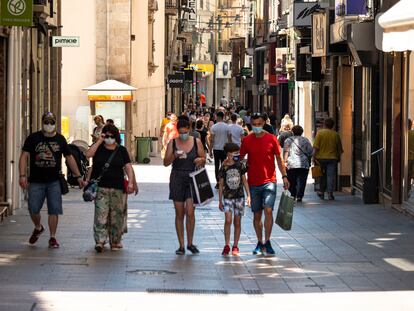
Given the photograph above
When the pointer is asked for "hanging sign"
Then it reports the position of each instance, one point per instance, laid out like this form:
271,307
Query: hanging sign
16,13
59,41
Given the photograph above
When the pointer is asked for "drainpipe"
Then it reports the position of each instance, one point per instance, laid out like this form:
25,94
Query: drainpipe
11,60
17,142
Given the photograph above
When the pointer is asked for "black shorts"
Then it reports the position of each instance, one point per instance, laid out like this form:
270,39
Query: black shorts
181,188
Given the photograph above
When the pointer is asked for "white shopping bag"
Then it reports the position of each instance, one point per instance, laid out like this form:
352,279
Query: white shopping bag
203,192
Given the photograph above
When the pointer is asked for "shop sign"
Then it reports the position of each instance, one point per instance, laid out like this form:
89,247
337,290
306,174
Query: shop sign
109,97
301,13
350,7
176,80
319,35
16,13
60,41
192,15
246,72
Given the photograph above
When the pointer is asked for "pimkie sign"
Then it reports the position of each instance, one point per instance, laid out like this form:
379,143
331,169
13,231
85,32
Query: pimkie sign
16,13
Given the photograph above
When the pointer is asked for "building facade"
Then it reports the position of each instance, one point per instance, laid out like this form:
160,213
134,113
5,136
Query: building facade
30,79
124,42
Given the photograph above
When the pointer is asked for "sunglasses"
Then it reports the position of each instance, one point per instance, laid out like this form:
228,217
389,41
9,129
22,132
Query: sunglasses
49,122
109,136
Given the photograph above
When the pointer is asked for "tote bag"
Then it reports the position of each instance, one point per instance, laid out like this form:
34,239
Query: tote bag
203,192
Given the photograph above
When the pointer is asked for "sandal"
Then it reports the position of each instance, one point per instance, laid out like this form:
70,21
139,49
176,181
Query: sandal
116,247
180,251
193,249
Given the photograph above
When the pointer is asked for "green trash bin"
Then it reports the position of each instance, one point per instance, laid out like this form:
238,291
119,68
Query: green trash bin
143,149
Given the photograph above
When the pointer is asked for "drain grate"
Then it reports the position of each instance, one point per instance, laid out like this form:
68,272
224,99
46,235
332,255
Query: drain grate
152,272
186,291
253,292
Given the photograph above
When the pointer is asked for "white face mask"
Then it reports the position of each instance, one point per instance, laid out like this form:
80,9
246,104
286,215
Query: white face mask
109,141
49,128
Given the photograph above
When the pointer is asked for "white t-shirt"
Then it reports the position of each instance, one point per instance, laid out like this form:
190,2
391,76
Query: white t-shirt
236,133
220,131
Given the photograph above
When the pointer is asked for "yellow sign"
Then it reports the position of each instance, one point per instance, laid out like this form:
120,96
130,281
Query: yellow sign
110,97
201,67
65,127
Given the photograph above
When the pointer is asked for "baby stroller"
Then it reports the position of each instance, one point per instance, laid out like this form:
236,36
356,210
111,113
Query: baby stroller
78,149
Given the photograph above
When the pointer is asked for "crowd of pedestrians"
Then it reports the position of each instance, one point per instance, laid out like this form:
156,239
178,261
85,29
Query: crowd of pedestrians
244,146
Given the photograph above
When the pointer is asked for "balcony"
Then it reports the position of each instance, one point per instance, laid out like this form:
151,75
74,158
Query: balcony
171,7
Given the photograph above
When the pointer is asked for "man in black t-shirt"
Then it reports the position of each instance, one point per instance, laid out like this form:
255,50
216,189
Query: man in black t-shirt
45,149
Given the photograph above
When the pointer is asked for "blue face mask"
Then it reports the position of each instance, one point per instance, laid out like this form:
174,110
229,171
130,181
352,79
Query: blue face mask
257,129
236,157
184,136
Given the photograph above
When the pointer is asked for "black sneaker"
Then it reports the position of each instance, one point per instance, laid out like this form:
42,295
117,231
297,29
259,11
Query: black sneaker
99,247
268,248
180,251
259,248
193,249
217,186
36,234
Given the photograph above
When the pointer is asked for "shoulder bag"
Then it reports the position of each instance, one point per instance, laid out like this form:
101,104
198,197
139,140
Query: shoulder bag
308,156
64,187
91,189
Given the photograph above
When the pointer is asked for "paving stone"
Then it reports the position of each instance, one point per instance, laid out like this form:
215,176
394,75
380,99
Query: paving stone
333,247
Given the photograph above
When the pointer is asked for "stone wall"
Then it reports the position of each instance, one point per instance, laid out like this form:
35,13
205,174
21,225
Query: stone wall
113,40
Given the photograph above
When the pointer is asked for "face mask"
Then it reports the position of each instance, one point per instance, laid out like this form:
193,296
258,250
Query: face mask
184,136
236,157
257,129
109,141
49,128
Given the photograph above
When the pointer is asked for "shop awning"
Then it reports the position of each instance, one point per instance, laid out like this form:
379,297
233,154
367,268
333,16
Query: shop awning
397,33
110,90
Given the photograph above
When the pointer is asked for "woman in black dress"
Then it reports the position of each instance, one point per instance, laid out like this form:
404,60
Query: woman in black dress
185,153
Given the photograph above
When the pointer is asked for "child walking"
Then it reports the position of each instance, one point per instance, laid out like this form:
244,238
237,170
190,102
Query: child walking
232,180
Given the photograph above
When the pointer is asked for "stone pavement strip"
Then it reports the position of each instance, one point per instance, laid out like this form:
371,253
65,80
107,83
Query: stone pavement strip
339,255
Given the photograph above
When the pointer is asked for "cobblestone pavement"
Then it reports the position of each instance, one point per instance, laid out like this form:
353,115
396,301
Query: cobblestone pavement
338,256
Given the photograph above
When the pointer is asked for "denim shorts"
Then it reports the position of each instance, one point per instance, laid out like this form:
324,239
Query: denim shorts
38,192
263,196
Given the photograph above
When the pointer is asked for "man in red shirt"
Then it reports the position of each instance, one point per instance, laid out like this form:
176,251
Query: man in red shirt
261,149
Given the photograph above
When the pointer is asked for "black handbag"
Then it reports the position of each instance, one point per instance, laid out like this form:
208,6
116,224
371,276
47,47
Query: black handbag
90,192
64,187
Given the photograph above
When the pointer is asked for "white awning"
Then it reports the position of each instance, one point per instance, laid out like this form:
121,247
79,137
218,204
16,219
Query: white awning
110,85
395,28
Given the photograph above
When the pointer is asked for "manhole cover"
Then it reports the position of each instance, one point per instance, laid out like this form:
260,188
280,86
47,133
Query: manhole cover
186,291
152,272
253,292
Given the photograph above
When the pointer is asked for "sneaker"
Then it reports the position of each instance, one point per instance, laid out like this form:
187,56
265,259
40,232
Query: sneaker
36,234
99,247
116,247
259,249
217,186
321,195
299,200
193,249
269,249
180,251
53,243
331,197
235,251
226,250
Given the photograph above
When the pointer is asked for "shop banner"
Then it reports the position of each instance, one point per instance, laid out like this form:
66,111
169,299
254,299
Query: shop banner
16,13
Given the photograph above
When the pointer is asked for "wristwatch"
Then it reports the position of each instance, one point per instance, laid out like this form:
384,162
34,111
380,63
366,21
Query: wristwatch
284,176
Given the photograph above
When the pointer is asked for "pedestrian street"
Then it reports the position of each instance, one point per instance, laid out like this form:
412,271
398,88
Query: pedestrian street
339,255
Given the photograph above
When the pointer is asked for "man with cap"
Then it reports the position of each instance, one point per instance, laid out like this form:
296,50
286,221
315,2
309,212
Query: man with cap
45,149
